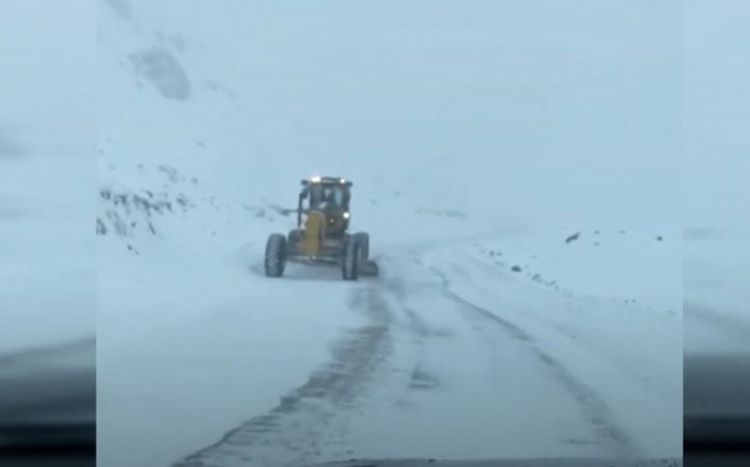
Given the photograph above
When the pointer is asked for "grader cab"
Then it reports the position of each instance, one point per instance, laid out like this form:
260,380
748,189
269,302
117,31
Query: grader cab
322,234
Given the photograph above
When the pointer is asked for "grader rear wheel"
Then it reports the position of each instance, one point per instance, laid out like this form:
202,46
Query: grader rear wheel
276,253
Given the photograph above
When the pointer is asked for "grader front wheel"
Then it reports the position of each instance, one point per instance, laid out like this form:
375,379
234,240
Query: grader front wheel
364,242
352,259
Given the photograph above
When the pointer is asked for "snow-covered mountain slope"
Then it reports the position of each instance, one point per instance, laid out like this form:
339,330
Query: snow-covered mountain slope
47,245
505,134
480,138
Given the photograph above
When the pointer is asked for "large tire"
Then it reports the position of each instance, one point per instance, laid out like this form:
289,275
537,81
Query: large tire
276,251
352,259
364,242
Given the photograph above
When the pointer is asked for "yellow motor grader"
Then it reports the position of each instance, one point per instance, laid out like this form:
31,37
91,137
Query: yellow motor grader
322,234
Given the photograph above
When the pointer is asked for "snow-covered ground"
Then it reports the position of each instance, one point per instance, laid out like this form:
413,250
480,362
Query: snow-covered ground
450,340
717,255
476,153
717,318
47,244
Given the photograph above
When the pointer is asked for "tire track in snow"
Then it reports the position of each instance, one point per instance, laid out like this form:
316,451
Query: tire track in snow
301,427
593,407
602,349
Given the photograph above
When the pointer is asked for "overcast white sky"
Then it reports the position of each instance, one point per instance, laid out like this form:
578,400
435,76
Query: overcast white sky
717,112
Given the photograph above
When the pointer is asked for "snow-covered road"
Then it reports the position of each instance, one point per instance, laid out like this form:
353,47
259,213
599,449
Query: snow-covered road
448,354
